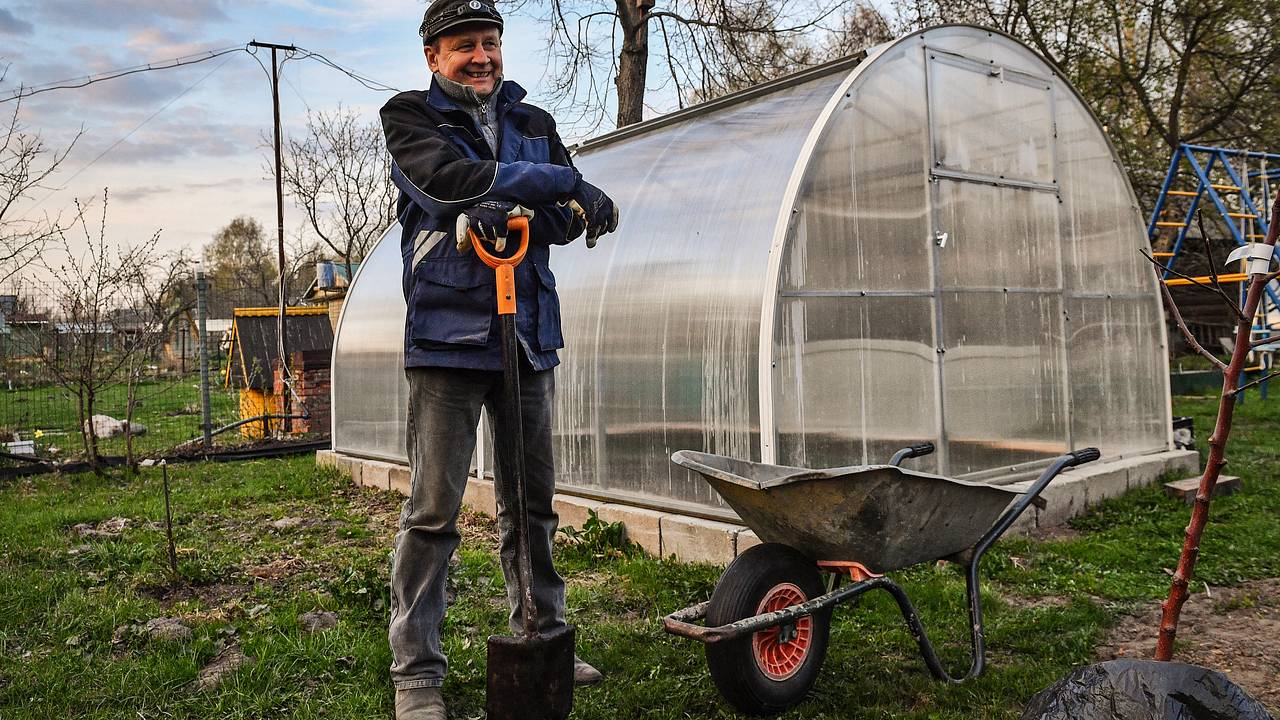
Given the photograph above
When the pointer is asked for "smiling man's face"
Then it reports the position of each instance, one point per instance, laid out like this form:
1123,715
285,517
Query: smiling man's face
471,55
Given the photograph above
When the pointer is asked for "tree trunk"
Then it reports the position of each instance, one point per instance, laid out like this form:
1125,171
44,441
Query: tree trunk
633,61
131,401
95,462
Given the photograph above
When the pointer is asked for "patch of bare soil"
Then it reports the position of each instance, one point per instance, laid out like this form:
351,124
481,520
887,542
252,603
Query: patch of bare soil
277,569
1234,630
212,595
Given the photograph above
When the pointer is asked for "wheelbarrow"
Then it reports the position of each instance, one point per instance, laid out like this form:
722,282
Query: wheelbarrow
766,626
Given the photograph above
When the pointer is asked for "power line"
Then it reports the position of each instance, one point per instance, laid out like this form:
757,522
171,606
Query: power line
368,82
129,134
72,83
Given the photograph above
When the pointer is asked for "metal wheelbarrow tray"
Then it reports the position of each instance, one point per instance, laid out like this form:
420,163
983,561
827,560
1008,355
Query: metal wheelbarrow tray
882,516
766,626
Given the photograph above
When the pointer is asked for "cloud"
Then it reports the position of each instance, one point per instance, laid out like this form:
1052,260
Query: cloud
11,24
117,14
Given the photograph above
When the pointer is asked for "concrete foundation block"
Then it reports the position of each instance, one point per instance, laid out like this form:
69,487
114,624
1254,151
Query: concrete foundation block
574,511
1144,471
643,526
480,497
342,464
326,458
1179,463
375,474
692,539
1028,520
1065,498
1105,482
352,466
399,479
745,540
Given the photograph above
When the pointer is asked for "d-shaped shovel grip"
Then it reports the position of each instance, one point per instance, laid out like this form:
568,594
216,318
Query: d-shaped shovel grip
504,268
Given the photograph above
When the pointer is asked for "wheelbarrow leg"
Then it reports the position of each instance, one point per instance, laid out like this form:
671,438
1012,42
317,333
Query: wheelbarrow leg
972,583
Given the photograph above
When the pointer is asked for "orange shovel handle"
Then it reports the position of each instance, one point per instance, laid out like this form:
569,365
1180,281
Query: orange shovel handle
504,268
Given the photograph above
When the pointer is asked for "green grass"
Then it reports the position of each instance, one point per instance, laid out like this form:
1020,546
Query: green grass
170,410
59,609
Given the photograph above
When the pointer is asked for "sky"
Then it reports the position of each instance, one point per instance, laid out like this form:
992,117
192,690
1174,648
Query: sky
183,150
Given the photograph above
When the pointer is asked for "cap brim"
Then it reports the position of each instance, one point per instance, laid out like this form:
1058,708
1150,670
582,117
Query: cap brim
463,21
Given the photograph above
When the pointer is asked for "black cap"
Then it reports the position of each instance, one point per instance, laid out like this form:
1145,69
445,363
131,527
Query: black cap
444,14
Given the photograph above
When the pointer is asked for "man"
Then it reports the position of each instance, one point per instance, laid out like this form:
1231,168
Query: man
468,153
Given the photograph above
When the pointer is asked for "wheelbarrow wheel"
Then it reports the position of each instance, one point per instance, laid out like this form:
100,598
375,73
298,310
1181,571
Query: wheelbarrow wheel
770,671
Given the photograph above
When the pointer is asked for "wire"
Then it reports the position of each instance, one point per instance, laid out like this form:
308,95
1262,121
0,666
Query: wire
25,92
368,82
129,134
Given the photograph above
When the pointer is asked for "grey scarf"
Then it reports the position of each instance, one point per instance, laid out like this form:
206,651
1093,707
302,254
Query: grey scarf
479,106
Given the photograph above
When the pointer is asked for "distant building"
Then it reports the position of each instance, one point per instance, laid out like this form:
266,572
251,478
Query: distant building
330,287
255,349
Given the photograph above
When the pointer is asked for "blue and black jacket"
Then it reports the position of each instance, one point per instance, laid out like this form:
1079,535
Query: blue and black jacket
443,166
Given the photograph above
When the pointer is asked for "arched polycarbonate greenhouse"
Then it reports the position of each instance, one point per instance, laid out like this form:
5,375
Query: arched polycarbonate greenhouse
932,242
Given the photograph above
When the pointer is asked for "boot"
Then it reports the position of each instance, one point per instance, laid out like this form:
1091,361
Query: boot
420,704
584,674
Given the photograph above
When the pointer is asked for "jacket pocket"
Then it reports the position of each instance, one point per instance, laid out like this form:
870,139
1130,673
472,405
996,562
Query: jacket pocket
452,302
549,334
535,149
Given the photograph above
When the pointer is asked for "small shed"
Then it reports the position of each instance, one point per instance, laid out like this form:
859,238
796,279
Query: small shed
255,349
931,241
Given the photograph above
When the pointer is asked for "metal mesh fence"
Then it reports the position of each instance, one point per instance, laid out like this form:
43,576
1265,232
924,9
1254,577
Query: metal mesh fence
51,361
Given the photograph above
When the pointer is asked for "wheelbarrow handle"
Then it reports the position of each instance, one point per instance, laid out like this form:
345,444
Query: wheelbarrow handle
504,267
911,451
1080,457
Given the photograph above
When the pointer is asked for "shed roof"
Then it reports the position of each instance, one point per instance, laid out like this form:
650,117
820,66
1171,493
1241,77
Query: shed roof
255,341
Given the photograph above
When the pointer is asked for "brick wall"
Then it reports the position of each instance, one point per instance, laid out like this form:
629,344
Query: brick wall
311,387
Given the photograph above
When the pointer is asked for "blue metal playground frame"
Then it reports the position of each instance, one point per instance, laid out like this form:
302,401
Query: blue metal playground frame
1203,160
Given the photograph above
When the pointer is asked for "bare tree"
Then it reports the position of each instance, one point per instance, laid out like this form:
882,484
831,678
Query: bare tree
26,164
153,299
707,47
340,175
95,280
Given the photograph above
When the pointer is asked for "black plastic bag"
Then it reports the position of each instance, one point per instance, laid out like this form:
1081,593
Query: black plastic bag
1144,690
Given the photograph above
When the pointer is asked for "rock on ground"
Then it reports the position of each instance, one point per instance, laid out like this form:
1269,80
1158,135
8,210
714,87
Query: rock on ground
167,628
318,620
228,661
105,530
105,426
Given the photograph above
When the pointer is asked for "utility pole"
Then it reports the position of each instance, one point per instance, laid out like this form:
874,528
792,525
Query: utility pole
280,320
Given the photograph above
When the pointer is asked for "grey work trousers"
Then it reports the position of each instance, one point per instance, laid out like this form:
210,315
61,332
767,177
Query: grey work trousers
444,409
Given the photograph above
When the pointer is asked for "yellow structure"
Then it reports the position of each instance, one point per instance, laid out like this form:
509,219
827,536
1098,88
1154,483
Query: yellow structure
254,351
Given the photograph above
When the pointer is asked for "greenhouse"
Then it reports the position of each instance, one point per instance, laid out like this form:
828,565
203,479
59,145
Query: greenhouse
933,241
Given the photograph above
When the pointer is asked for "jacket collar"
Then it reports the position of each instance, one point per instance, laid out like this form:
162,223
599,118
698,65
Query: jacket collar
509,94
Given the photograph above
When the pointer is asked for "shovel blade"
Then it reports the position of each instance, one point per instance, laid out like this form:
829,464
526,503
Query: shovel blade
530,678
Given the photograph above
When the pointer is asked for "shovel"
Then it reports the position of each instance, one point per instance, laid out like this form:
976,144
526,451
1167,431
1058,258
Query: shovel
530,676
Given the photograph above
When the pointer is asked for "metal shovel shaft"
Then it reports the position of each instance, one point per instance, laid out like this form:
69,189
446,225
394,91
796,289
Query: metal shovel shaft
529,676
512,487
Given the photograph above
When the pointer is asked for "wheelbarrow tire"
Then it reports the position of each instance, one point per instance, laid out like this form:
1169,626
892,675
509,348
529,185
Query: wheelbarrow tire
755,674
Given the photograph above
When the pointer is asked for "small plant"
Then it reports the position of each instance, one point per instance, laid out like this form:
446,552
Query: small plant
600,539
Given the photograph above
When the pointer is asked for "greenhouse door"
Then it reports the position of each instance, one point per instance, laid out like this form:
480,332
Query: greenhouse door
997,264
